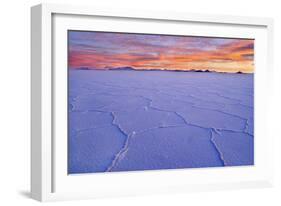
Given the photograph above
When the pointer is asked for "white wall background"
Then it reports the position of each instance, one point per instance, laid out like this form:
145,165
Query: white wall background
15,95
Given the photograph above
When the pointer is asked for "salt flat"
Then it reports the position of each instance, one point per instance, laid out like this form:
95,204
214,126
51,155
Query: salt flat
139,120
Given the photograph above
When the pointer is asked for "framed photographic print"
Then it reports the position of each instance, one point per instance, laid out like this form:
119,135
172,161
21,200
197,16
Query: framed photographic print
133,102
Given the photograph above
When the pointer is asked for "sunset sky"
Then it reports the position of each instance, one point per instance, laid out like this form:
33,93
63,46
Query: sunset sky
102,50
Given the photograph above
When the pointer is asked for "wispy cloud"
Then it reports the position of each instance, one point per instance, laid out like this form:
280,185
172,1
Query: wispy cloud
102,50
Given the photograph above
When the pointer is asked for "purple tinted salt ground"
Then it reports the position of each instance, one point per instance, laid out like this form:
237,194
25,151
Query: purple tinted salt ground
147,120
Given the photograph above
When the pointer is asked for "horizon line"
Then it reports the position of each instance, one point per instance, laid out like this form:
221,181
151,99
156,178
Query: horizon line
130,68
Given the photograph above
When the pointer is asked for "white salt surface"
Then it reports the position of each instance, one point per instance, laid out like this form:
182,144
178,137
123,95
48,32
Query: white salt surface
142,120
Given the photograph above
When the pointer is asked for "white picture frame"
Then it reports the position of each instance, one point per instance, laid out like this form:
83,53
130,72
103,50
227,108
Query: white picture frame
49,179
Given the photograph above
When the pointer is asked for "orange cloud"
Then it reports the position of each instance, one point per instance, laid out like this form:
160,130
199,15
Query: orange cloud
162,52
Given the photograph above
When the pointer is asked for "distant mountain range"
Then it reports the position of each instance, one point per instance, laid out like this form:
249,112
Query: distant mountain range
127,68
122,68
